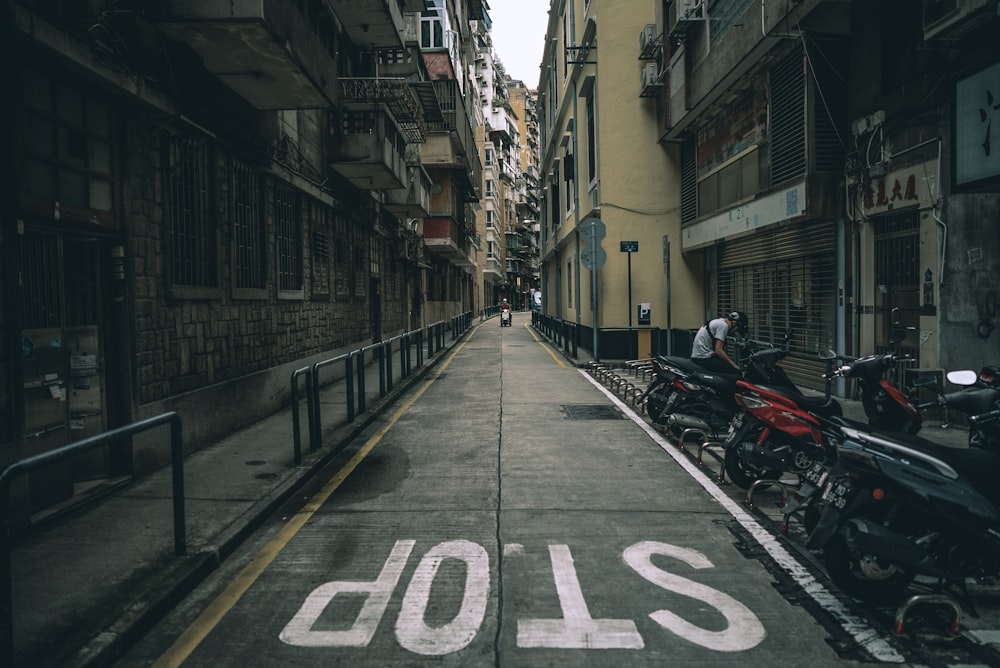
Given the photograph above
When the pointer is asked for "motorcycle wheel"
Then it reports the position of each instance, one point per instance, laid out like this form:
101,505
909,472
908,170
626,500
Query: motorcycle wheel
864,577
742,473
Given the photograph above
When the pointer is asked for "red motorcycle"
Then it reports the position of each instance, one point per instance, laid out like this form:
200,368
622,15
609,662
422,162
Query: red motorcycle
776,432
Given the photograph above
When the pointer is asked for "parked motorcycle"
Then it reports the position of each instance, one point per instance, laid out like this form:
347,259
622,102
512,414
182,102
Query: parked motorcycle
897,506
704,401
974,400
981,393
776,431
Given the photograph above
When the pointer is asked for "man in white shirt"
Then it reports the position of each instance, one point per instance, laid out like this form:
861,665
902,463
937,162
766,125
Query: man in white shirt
709,346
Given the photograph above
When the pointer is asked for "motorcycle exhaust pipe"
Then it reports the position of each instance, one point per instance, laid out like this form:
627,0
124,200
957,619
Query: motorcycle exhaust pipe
682,421
866,537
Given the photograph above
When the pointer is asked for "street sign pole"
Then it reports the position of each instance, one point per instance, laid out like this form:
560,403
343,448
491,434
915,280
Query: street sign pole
629,247
593,287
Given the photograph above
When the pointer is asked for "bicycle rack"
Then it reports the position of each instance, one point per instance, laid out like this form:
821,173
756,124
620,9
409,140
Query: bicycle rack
929,599
710,446
785,486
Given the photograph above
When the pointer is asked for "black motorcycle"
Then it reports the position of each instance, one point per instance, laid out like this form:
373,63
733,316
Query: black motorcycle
897,506
981,392
685,396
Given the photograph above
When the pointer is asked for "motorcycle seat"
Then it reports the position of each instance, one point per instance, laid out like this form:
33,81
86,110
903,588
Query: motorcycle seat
973,401
722,383
823,406
982,467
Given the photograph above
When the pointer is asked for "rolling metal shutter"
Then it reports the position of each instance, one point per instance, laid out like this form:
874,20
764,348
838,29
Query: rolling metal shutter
784,280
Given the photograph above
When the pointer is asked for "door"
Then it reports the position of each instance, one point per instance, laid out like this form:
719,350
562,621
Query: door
61,349
897,281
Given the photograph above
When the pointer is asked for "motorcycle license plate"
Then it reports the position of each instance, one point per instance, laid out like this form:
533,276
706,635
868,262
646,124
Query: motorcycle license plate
816,474
835,493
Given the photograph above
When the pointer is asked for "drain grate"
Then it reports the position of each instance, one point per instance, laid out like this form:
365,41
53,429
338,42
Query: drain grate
591,412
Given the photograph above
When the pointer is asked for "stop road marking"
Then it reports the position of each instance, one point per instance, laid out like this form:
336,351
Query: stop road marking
576,629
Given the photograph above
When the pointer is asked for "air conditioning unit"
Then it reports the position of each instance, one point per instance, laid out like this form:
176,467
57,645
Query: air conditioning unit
684,14
650,80
951,19
649,42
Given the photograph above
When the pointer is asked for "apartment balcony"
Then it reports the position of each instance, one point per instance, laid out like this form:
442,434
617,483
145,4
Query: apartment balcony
375,24
405,60
443,237
267,51
493,268
451,141
371,152
413,201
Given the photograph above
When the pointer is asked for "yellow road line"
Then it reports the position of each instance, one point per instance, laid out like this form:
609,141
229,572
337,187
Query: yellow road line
210,617
546,347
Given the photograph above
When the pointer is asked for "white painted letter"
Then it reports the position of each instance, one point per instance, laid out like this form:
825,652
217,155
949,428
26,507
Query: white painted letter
745,630
577,629
299,631
412,631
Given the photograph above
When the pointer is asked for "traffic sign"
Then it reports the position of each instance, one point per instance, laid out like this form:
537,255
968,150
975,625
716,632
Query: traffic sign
629,246
593,227
593,258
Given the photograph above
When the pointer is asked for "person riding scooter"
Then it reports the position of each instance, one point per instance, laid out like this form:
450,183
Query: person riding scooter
505,313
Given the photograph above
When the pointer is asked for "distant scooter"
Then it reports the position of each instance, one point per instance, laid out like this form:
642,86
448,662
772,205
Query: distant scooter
505,317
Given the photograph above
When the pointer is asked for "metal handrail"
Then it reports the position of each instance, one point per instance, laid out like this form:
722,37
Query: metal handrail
50,457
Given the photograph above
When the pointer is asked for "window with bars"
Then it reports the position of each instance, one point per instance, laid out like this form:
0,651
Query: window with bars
342,275
288,238
67,149
192,239
320,247
249,270
359,257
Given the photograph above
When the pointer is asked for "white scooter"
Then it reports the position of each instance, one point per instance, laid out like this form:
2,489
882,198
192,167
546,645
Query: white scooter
505,317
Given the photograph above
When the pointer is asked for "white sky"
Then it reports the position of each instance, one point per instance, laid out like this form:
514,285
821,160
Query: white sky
519,36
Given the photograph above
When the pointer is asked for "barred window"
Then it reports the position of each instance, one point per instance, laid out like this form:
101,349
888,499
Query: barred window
246,206
341,256
288,236
192,241
319,230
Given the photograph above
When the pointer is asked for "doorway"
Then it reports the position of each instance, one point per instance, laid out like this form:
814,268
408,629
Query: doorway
897,282
62,361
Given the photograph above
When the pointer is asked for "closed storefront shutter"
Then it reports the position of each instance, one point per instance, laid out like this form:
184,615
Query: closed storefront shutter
786,280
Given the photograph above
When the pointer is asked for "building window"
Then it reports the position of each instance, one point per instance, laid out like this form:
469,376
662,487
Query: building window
432,26
489,156
67,149
288,238
490,188
341,256
319,234
569,283
192,241
491,218
591,140
246,214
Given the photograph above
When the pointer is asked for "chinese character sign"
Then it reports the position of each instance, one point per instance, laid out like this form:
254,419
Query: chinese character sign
977,126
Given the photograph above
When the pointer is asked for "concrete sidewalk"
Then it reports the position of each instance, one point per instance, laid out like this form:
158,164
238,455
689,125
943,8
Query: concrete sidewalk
89,583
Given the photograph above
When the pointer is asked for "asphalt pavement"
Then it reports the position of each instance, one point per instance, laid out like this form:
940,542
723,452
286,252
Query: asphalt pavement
88,585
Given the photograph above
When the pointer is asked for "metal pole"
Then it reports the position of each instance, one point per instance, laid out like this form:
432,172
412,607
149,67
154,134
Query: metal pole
631,356
593,284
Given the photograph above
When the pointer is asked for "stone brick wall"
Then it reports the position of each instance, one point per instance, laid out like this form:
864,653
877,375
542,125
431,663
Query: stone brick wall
182,345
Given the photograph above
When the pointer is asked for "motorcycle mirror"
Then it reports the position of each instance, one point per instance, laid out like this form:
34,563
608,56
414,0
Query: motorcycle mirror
963,377
827,355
